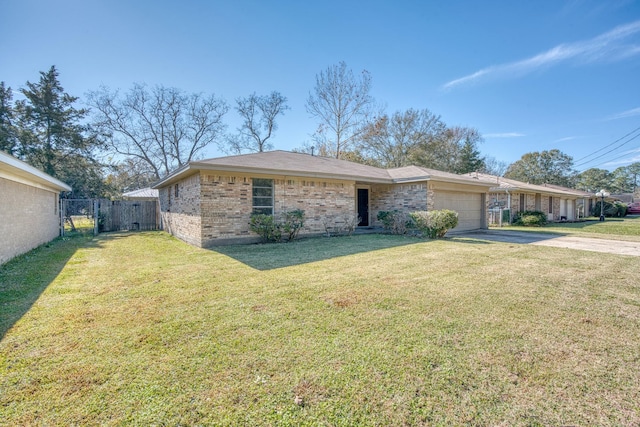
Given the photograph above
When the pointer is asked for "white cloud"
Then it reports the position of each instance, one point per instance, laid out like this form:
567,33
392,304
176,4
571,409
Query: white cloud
566,138
607,46
629,113
503,135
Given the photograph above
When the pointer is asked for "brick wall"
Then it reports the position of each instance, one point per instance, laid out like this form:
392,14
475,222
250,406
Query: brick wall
181,212
226,207
323,201
406,197
29,217
530,203
215,207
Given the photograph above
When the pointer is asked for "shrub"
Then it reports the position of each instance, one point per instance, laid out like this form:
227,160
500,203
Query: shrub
270,230
396,222
530,218
621,209
340,225
266,227
616,209
293,223
434,224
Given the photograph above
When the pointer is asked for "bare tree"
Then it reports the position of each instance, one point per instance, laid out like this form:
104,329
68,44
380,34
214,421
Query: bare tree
493,166
163,127
259,115
340,102
393,141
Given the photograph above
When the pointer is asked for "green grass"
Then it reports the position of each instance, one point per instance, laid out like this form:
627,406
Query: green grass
612,228
141,329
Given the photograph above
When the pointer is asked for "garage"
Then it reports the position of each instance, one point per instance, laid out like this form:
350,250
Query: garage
470,208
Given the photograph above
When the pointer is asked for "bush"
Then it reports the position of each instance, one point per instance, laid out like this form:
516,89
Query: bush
341,225
293,223
434,224
530,218
396,222
616,209
620,209
265,226
270,230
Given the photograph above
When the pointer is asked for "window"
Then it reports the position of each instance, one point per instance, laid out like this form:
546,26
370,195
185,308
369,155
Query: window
550,210
176,192
522,204
262,196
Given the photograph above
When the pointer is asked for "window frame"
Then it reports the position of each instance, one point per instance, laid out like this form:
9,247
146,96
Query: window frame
262,207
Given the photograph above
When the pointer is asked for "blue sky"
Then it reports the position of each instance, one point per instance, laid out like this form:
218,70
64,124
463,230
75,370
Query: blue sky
529,75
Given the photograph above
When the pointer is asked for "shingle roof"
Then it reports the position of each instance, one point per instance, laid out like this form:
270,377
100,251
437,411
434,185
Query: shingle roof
296,163
418,173
306,165
503,184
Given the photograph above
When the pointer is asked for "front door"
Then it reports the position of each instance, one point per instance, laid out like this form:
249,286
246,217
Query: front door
363,207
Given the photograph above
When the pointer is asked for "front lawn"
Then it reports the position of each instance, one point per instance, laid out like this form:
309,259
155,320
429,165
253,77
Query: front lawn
142,329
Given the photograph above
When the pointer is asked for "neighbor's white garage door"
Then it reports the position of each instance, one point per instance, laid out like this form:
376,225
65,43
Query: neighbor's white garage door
468,205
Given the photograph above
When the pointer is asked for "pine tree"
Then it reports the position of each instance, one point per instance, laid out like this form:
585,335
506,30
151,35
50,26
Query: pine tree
52,138
8,141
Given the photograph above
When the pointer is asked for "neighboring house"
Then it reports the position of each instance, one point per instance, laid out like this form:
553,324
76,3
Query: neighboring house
29,207
559,203
584,203
210,202
141,194
626,198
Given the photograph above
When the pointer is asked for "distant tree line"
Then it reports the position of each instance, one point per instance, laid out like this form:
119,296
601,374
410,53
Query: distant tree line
128,140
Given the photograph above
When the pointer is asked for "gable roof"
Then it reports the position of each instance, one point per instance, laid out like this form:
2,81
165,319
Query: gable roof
306,165
19,171
502,184
573,190
418,173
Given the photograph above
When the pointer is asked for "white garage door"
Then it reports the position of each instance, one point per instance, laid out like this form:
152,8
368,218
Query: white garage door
468,205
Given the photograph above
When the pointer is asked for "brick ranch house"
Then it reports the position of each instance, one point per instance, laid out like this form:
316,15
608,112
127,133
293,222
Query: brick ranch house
210,202
29,207
559,203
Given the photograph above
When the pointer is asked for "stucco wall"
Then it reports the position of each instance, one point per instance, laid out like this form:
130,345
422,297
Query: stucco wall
29,217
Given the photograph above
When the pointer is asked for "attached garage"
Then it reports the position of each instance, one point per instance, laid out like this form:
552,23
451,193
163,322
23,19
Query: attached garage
470,208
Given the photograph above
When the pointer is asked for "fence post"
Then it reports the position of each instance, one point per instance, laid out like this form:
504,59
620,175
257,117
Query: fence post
96,211
61,214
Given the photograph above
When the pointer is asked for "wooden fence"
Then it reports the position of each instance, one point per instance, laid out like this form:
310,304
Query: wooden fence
128,215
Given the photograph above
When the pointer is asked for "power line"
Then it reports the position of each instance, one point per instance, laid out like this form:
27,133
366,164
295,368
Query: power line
609,145
610,151
616,158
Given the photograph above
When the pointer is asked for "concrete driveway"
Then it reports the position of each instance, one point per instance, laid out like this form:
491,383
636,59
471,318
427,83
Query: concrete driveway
619,247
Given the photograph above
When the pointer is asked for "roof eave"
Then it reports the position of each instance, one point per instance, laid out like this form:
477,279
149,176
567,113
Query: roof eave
530,190
194,167
26,171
